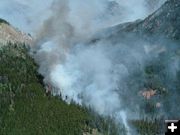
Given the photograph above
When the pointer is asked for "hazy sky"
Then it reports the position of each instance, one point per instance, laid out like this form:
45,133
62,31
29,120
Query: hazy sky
28,15
24,14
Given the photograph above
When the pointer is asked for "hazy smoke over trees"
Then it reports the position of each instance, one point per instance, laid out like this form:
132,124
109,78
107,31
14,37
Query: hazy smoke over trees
95,74
106,74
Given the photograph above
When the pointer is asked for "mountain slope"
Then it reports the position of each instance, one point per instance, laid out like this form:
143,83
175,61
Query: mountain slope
164,22
25,107
10,34
158,37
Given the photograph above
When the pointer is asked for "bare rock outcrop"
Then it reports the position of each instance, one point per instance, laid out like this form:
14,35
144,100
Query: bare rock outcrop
10,34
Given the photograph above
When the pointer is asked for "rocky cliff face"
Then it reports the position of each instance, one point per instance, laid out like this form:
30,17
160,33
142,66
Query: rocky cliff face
10,34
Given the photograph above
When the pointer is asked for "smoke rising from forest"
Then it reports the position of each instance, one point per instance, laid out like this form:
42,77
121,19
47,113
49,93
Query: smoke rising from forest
105,75
96,74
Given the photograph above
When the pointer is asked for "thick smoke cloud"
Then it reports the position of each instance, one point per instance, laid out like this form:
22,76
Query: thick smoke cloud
93,74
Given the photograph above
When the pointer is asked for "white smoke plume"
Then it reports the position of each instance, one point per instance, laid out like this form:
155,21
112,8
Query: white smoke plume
90,74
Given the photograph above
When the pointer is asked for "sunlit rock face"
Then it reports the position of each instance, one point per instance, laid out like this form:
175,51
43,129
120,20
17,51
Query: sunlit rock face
13,35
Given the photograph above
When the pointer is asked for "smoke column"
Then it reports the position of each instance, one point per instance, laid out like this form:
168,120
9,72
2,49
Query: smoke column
91,74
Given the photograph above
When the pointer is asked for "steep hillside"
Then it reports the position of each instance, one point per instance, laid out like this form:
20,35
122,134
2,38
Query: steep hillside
151,87
26,106
164,22
158,36
26,109
10,34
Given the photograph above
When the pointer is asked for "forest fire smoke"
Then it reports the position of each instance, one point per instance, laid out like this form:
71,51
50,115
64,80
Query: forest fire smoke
94,74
